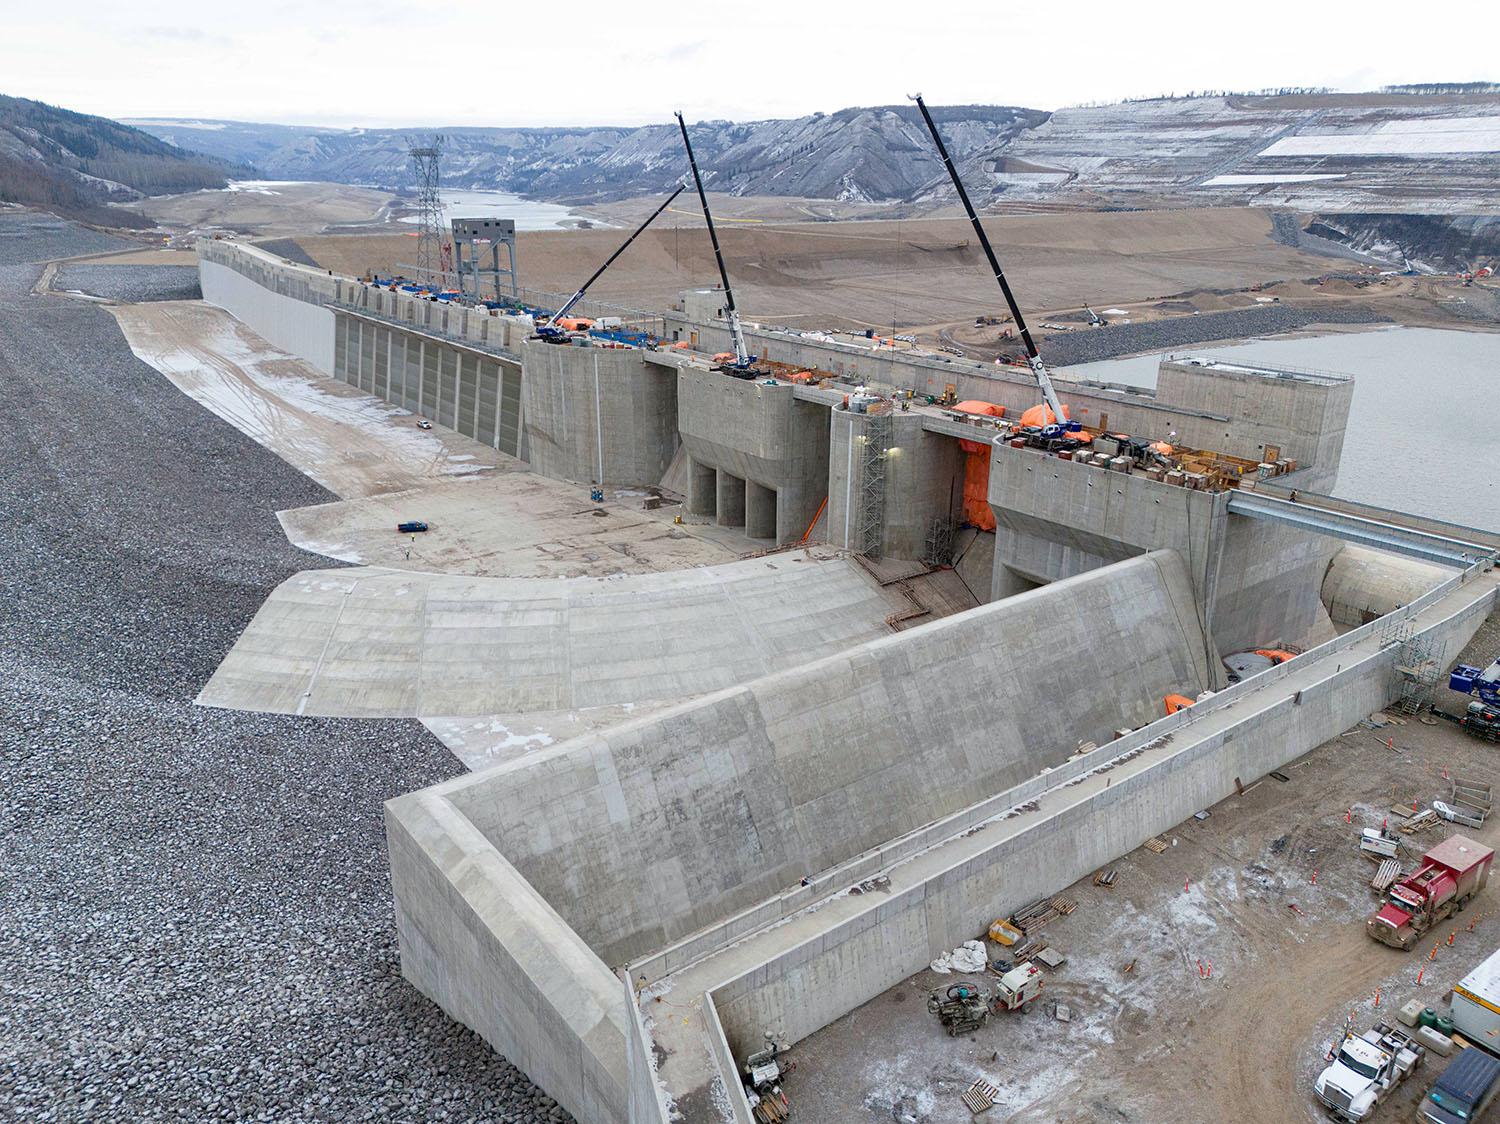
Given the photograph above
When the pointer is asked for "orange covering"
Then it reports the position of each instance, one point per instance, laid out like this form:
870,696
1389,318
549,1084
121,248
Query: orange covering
1174,703
1043,415
974,406
575,323
977,485
681,345
1275,654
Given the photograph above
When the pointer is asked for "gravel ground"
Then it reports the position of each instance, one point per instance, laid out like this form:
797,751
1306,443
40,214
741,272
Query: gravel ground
30,236
195,913
132,282
1088,346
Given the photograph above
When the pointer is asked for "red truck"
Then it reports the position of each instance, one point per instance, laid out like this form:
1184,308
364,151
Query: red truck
1450,874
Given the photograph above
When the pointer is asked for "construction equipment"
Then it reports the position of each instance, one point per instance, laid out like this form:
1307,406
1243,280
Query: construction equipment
554,331
1018,988
1373,841
1365,1069
1483,685
1481,721
1095,320
961,1009
1061,423
1449,875
763,1072
741,363
1468,803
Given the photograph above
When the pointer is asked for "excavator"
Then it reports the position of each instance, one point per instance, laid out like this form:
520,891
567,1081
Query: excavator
556,329
1057,429
740,364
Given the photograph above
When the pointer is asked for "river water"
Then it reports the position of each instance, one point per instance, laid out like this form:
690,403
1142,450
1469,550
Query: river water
1424,426
528,213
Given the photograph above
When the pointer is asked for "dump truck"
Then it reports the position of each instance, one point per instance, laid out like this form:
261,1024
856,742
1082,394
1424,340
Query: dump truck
1364,1069
1448,876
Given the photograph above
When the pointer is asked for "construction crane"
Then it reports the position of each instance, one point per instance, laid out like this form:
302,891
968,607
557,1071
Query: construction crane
552,332
742,361
1033,357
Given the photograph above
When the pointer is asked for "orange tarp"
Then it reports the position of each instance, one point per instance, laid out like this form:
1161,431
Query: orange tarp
1043,415
974,406
977,485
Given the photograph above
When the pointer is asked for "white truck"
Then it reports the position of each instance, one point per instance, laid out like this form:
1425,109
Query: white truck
1365,1069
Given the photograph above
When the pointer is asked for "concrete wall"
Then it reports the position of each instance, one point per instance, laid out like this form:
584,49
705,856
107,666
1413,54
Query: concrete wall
1362,584
495,956
474,392
1082,827
282,302
1307,418
772,447
1258,583
651,830
923,482
600,415
1303,414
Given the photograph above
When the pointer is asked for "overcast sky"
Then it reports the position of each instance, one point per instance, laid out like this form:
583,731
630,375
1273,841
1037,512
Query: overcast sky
456,62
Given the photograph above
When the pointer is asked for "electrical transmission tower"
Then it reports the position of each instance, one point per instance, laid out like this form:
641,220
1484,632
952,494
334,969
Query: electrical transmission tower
424,161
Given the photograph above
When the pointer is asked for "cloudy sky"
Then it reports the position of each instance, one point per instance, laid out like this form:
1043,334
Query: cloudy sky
384,62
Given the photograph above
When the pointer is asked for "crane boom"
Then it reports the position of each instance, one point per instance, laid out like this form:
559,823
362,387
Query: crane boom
1033,357
552,321
741,352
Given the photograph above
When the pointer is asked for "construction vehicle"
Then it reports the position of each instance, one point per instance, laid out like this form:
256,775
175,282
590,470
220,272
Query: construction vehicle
1365,1069
556,329
1482,684
1095,320
1448,877
1061,425
741,365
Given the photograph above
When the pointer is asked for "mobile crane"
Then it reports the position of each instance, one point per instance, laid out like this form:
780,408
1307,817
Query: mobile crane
742,363
552,331
1061,426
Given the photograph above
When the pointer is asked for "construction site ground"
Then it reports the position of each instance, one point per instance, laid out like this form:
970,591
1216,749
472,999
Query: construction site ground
1208,983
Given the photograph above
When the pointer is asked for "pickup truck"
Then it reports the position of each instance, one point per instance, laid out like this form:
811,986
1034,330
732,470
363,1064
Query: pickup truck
1365,1069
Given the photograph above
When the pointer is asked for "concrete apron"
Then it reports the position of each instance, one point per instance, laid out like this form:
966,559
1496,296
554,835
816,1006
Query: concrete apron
798,975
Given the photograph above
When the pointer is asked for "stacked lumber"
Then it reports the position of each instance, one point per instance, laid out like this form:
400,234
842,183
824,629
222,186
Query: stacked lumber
980,1097
1387,873
1423,820
1156,843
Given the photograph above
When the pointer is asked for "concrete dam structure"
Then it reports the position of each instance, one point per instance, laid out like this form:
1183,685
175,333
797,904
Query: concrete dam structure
819,800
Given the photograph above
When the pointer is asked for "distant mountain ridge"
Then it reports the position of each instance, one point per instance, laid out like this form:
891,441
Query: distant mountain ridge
855,155
76,164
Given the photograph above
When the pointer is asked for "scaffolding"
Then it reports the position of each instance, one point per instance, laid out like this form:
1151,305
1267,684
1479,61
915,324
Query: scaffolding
940,543
429,202
874,445
1416,665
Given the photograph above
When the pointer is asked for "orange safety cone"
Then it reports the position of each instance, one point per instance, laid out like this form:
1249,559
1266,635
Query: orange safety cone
1420,971
1433,954
1451,936
1349,816
1377,997
1315,878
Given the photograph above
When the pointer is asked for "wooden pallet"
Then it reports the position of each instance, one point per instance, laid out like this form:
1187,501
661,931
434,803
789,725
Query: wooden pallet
1106,878
1419,822
980,1097
1388,872
1156,844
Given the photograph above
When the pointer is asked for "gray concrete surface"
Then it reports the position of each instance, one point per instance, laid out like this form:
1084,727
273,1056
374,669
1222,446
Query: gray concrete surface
598,415
379,643
651,830
769,448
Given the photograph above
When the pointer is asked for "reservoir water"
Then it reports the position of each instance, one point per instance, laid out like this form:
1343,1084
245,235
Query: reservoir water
528,213
1424,425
